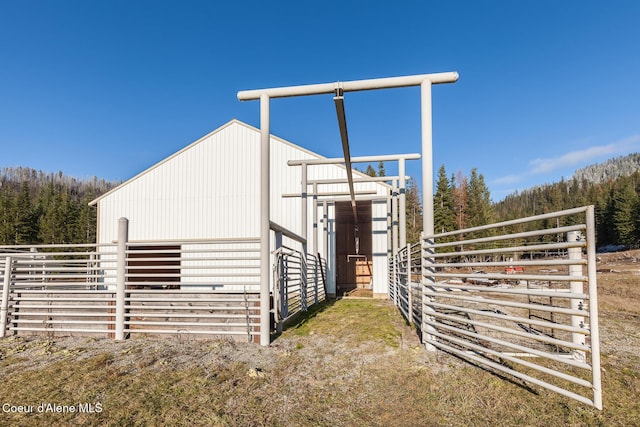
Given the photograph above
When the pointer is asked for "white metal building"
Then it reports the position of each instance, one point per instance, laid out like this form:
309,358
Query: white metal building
211,189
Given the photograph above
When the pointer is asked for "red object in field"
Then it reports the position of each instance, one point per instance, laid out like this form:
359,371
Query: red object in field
514,270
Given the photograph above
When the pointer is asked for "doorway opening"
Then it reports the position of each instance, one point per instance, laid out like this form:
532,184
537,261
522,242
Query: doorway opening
354,250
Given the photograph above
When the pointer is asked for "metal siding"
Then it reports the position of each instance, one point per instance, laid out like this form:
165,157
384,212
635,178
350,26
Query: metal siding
379,247
210,189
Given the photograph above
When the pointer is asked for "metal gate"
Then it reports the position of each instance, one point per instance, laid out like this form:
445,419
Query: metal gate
517,296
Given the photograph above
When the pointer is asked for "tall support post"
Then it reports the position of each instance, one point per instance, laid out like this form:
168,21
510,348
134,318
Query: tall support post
121,277
575,254
394,236
394,216
427,158
594,331
409,290
304,206
265,216
315,218
304,231
390,246
403,205
325,229
4,309
316,267
427,213
389,228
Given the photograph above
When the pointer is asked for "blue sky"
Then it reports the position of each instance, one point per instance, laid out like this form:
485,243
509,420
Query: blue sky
109,88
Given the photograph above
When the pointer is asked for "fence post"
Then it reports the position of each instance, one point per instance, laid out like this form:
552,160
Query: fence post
121,276
409,287
4,309
426,281
575,254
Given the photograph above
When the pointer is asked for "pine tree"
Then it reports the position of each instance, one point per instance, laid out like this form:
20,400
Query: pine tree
624,209
6,209
443,209
24,220
479,210
381,171
413,212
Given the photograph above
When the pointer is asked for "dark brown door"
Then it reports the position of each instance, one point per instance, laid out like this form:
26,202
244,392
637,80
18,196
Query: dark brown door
347,255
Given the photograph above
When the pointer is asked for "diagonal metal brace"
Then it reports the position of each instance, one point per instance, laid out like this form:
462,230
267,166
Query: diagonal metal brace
344,136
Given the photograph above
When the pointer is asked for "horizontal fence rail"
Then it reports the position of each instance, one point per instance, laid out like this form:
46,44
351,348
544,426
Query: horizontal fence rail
518,296
195,288
191,288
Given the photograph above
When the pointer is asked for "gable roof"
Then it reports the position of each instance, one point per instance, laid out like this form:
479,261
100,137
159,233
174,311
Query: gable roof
200,140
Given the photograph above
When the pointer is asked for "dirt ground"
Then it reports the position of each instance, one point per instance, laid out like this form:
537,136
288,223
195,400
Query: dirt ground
354,362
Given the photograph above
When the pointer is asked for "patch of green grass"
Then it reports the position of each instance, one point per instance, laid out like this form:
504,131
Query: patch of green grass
354,320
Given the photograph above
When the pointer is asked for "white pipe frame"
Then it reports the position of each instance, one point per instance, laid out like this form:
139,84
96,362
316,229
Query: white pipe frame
264,95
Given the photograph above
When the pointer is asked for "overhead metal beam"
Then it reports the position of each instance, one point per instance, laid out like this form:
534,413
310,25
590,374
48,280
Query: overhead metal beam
333,193
349,86
355,181
360,159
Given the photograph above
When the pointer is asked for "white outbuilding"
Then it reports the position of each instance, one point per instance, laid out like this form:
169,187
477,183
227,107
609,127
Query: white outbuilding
211,190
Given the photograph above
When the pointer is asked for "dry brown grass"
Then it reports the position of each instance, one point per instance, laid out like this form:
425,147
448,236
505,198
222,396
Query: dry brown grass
351,363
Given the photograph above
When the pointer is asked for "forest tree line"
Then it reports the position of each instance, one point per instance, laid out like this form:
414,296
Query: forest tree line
47,208
50,208
613,188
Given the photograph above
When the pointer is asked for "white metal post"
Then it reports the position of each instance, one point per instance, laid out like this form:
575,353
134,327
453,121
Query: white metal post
427,202
594,331
265,216
316,257
575,253
325,229
427,158
305,219
394,216
389,228
4,309
403,205
304,205
315,219
409,293
121,277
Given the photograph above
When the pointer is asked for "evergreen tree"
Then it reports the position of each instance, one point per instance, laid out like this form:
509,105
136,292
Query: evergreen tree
381,171
24,219
443,209
624,211
479,208
6,209
414,212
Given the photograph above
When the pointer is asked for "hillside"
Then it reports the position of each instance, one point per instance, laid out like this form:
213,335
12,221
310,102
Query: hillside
613,187
611,169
